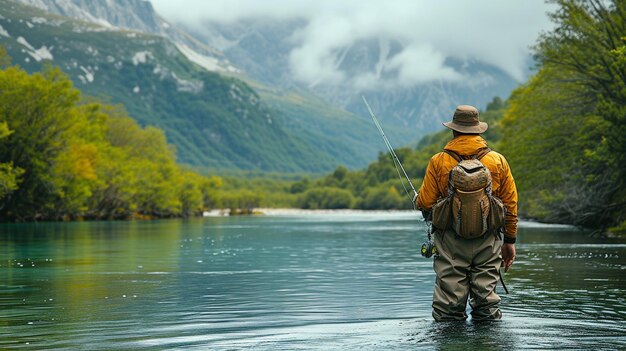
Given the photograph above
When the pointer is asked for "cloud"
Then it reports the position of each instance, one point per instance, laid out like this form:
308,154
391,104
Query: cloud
419,64
495,32
314,60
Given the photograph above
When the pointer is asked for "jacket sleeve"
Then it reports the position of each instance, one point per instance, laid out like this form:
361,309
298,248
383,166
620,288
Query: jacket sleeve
508,195
428,192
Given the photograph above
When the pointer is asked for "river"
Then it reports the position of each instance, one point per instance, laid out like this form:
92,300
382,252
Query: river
325,281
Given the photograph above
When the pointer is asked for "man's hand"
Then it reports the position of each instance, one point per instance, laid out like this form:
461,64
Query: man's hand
508,255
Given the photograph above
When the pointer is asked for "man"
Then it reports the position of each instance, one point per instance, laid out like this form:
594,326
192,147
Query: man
469,267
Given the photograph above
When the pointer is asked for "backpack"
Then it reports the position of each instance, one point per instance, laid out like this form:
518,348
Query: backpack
470,209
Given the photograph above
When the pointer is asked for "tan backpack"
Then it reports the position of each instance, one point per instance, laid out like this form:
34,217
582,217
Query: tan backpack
470,209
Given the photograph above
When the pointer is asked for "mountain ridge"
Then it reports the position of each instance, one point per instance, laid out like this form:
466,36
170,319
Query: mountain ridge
137,15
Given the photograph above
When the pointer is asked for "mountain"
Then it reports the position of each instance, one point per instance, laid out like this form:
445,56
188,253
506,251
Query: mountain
215,120
137,15
262,48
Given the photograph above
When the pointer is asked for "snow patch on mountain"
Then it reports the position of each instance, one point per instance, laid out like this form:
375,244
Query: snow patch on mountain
89,75
92,51
38,54
209,63
39,20
137,16
188,86
21,40
68,8
85,29
3,32
157,69
142,57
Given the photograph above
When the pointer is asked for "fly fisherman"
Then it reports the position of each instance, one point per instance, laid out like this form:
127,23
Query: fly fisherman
468,223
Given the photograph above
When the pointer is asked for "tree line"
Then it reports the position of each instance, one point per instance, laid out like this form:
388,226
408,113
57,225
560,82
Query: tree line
64,157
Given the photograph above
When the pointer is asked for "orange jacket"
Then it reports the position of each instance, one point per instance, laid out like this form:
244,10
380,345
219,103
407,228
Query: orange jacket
435,181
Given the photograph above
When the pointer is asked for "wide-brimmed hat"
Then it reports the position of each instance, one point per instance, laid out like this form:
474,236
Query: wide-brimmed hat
465,120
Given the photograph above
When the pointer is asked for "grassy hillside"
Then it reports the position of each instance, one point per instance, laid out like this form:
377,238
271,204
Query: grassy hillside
337,133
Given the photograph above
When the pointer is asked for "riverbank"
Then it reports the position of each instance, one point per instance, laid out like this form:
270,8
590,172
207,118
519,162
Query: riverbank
299,212
296,212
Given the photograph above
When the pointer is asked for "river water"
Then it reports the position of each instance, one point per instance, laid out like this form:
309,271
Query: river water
309,281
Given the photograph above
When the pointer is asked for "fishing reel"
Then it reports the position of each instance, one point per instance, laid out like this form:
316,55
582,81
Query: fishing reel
429,249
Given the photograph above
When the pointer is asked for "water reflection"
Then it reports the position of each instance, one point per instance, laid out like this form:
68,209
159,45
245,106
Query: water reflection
313,282
61,275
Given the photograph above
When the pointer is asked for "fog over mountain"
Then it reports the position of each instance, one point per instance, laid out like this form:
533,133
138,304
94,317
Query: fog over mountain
415,59
489,31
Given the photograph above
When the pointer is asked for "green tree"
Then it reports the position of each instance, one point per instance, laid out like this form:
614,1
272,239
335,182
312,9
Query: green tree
9,175
39,109
74,171
190,193
564,130
243,201
326,198
300,186
209,187
385,198
5,60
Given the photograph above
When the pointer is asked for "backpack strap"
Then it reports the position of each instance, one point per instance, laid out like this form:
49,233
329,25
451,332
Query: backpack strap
454,155
458,158
482,153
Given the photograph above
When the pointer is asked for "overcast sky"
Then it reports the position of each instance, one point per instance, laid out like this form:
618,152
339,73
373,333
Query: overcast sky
492,31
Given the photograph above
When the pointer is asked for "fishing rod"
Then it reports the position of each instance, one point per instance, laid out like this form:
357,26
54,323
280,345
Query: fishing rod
394,157
428,248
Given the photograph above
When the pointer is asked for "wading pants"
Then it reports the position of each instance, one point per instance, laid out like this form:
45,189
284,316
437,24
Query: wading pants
466,268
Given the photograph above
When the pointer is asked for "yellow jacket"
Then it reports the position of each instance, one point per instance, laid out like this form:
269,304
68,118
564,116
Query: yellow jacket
435,181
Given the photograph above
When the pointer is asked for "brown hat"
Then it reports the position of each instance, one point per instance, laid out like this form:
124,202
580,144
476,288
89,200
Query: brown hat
466,120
